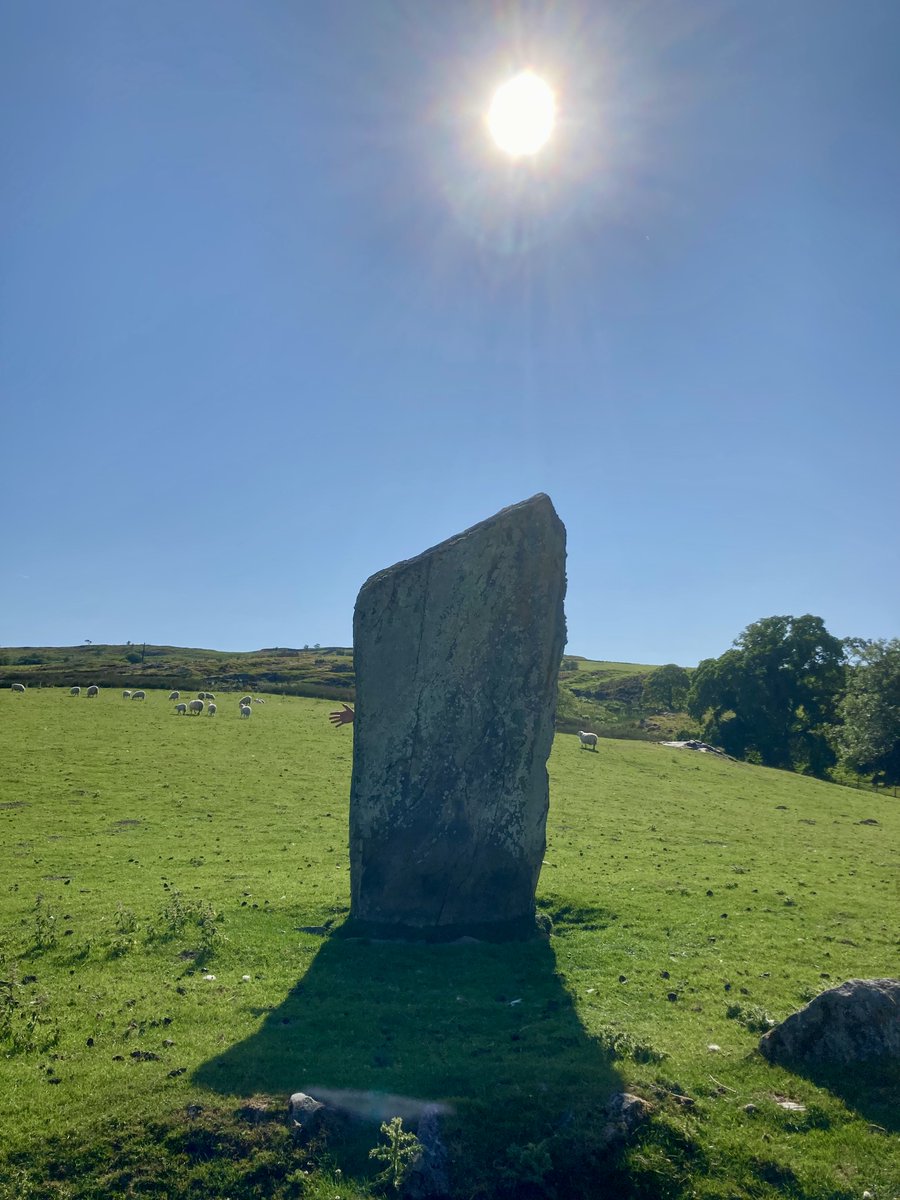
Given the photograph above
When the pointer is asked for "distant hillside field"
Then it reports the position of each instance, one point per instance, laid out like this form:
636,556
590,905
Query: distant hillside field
169,974
602,696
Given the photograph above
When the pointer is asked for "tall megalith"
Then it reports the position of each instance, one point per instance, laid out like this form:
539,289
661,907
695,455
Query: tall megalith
456,654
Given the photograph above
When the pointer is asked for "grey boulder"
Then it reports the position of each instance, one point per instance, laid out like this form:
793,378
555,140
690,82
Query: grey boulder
859,1021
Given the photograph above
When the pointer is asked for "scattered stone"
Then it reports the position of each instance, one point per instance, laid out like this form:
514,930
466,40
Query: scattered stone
858,1021
868,821
750,1109
306,1115
673,996
456,655
789,1105
702,747
713,1048
624,1113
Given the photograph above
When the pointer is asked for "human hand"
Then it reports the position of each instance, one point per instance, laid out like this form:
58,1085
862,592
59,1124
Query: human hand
342,716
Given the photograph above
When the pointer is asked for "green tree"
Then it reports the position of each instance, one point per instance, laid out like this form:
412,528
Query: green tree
666,688
774,695
868,741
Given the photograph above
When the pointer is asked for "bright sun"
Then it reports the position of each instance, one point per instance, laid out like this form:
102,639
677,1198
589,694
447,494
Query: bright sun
522,115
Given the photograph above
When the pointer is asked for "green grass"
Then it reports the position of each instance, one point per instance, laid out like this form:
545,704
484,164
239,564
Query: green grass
603,696
165,849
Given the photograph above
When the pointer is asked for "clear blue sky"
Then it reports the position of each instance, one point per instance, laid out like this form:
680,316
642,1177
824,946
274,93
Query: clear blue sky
274,314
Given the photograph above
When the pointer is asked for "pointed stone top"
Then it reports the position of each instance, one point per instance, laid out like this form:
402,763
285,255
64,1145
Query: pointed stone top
538,507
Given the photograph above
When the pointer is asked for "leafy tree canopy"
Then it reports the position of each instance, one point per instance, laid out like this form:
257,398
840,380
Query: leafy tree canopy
774,695
869,739
666,688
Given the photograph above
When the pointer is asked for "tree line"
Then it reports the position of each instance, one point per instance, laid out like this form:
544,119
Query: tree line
790,694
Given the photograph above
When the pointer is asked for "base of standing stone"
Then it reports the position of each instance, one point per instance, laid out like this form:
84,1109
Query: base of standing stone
524,929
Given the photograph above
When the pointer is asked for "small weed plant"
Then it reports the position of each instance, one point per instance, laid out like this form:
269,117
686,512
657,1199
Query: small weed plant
398,1155
44,925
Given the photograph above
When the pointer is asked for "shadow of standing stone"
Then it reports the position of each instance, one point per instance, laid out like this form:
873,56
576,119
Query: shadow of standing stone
457,653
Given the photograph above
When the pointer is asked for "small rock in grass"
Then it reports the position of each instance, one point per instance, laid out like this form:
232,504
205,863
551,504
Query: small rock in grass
624,1113
713,1048
673,996
209,978
750,1109
306,1114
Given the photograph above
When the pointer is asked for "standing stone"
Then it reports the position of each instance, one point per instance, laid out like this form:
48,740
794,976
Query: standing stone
457,653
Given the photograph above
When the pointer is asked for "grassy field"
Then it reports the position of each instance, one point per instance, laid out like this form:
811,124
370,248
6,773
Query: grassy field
602,696
168,888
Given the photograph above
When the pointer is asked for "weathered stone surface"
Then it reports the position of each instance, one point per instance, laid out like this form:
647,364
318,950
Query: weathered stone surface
305,1114
859,1021
456,654
624,1113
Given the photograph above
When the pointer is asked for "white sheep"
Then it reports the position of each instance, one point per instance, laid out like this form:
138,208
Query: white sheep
246,710
212,710
588,740
75,691
195,706
258,700
18,687
126,695
245,700
139,695
174,695
93,690
181,709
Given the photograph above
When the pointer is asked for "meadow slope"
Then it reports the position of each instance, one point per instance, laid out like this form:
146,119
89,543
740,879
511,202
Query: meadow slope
169,890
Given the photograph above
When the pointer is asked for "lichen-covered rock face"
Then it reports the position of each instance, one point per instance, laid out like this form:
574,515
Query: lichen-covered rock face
859,1021
457,653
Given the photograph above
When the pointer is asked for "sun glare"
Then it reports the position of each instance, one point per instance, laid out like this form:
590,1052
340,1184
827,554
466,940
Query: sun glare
522,115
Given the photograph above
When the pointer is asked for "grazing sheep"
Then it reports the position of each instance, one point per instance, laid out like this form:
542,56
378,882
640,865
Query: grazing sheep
206,696
174,695
211,711
258,700
588,740
93,690
75,691
246,710
18,687
139,695
181,709
195,706
246,700
126,695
